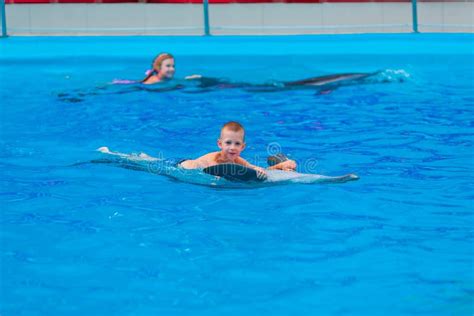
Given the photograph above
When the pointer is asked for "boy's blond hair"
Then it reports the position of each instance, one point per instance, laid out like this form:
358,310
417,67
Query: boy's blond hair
234,127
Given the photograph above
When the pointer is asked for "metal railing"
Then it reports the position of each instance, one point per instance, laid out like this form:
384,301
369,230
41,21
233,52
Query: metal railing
3,15
414,14
205,5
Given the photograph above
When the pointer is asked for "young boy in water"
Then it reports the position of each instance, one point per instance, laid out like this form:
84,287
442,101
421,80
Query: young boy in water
232,143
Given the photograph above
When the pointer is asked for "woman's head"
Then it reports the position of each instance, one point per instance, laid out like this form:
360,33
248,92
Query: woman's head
162,67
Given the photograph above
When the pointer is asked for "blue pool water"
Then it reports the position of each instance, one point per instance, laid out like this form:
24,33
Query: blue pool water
90,239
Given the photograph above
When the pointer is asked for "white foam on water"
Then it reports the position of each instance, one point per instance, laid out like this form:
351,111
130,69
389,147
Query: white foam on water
391,75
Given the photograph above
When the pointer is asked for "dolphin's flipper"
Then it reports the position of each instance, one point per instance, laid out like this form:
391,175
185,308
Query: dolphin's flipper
341,179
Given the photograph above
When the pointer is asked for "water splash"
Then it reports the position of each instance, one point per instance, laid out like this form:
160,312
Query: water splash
390,75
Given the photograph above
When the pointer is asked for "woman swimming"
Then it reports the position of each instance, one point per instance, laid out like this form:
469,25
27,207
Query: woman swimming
163,70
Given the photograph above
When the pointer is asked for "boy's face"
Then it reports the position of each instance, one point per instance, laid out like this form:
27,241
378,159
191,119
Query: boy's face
231,144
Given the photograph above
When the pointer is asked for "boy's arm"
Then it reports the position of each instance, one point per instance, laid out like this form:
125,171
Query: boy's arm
260,171
242,161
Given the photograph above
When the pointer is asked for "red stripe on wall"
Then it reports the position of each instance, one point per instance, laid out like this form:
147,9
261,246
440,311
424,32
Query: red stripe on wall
219,1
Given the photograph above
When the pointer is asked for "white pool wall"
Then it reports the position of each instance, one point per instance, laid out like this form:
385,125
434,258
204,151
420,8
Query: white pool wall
237,19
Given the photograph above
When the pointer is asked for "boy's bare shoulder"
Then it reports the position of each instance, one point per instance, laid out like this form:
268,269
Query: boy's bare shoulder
208,159
201,162
209,156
